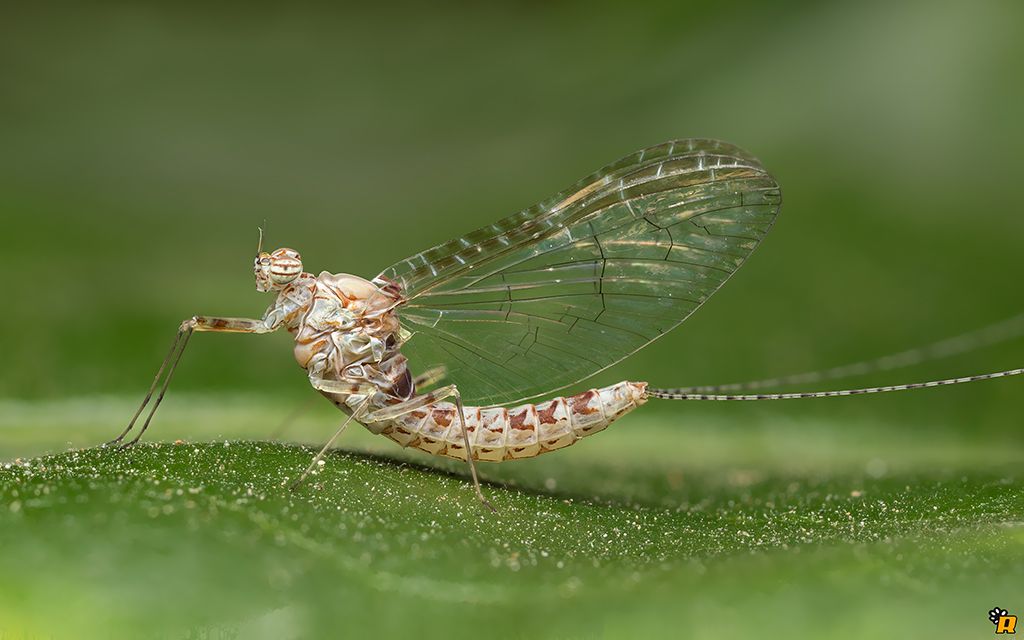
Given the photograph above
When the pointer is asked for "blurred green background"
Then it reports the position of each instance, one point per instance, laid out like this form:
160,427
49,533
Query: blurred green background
141,146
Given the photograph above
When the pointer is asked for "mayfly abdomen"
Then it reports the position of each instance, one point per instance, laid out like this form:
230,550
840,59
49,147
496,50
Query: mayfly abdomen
497,433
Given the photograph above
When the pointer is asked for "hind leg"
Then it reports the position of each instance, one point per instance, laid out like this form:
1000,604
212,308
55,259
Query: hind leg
429,377
393,411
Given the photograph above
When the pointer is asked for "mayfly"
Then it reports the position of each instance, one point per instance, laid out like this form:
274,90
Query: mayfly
522,308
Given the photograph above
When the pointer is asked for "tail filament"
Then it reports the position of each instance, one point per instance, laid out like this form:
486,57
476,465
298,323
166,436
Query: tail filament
685,394
996,333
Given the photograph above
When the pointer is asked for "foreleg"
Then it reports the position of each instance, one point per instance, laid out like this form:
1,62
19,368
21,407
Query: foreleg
268,323
173,356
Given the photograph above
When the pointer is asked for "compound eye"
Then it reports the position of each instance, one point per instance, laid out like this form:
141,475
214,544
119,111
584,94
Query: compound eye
265,261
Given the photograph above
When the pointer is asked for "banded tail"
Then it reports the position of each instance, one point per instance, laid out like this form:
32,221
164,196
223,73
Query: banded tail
526,431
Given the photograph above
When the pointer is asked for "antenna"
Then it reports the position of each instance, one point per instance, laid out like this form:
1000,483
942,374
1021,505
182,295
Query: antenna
259,247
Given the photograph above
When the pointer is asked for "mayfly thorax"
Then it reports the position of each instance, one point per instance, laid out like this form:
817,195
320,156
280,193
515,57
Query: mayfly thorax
523,308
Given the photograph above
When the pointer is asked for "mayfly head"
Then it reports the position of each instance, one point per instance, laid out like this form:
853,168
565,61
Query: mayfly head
276,270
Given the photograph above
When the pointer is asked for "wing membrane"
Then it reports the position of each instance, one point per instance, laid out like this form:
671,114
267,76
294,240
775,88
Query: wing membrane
568,287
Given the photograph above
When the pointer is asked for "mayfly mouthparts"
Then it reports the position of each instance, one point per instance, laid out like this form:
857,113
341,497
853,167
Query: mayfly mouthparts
522,308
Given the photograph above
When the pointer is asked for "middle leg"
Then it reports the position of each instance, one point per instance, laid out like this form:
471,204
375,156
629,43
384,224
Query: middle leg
319,456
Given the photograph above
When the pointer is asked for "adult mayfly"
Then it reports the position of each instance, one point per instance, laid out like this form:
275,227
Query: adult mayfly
522,308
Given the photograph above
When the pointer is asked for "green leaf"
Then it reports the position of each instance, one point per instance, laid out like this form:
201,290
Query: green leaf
648,528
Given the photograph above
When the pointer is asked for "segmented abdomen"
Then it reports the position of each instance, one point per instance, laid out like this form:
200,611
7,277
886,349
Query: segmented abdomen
497,434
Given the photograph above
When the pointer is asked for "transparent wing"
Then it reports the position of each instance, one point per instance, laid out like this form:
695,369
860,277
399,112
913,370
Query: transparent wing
570,286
